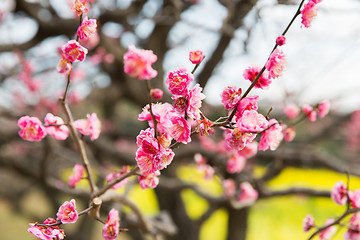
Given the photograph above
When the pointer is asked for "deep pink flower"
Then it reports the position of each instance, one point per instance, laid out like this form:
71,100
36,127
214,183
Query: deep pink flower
60,132
235,163
145,161
149,180
162,112
147,141
248,103
205,127
64,66
248,194
292,111
156,93
309,112
73,51
289,133
229,187
179,81
87,28
31,129
67,212
308,223
251,73
194,102
276,63
272,137
252,121
353,233
90,126
308,13
355,198
111,227
76,175
230,97
237,139
339,193
47,233
180,130
80,7
196,56
137,63
281,40
163,158
323,108
117,175
328,232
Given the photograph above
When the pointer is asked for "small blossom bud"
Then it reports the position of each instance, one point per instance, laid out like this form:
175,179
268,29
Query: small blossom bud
156,93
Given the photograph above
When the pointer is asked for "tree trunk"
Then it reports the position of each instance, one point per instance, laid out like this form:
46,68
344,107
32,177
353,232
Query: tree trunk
237,225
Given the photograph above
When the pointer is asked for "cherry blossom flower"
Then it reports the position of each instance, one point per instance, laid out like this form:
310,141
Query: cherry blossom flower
292,111
147,141
90,126
79,7
73,51
194,103
196,56
117,175
339,193
137,63
47,233
252,72
272,137
64,66
205,127
179,81
308,223
87,28
289,133
353,233
156,93
31,129
149,180
67,212
235,163
230,97
281,40
229,187
76,175
248,103
276,63
249,150
309,112
323,108
60,132
237,139
308,13
162,112
328,232
180,130
355,198
111,227
252,121
248,194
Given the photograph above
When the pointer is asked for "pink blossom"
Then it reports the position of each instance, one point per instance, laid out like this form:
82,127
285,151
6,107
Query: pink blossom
353,233
309,112
289,133
205,127
230,97
229,187
31,129
73,51
156,93
208,171
80,7
272,137
339,193
355,198
180,130
47,233
145,161
60,132
179,81
181,103
149,180
328,232
163,158
199,159
308,13
235,163
248,103
237,139
196,56
249,150
281,40
67,212
76,175
194,103
323,108
111,227
162,112
117,175
308,223
292,111
248,194
87,28
252,121
137,63
147,141
64,66
252,72
90,126
276,63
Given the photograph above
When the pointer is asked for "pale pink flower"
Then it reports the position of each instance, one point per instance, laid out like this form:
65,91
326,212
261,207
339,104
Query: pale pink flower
156,93
148,180
73,51
137,63
252,72
292,111
31,129
248,103
289,133
162,112
196,56
179,81
248,194
67,212
229,187
87,28
76,175
276,63
308,223
309,112
90,126
237,139
249,150
230,97
339,193
308,13
111,227
353,233
112,176
272,137
180,130
194,102
323,108
60,132
329,232
355,198
235,163
47,233
64,66
281,40
252,121
79,7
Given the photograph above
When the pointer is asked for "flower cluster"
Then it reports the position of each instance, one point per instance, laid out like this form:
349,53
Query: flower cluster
309,12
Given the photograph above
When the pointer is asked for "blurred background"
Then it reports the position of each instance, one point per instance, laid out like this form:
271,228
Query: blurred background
295,180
